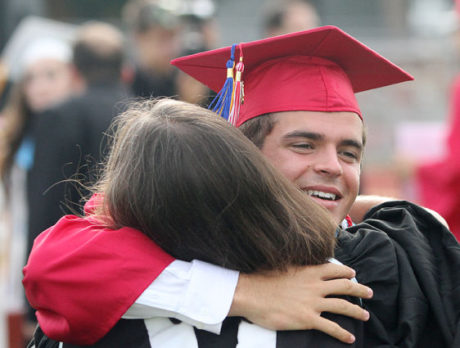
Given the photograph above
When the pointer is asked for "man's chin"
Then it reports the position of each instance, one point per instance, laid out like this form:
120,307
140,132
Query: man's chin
333,207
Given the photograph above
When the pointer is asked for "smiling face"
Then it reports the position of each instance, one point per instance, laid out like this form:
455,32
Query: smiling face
321,153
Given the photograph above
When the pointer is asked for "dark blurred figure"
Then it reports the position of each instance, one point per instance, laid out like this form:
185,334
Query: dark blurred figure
287,16
199,33
44,79
69,138
200,30
155,33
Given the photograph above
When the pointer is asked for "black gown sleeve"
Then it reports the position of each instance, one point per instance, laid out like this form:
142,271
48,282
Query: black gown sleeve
412,263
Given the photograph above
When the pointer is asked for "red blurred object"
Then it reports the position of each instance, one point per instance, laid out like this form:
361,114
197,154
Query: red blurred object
439,181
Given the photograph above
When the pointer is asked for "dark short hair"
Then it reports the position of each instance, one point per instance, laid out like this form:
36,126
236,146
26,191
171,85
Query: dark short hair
98,53
201,190
256,129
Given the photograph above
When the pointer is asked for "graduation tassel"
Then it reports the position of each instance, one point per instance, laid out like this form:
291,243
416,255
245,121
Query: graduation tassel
238,91
221,104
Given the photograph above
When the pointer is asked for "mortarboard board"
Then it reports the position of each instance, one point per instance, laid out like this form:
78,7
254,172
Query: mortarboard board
314,70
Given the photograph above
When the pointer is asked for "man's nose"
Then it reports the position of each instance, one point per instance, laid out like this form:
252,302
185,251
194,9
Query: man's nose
328,163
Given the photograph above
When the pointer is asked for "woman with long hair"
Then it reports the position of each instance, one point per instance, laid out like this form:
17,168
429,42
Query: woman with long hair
199,189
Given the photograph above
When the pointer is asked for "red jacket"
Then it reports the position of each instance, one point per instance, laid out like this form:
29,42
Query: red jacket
127,262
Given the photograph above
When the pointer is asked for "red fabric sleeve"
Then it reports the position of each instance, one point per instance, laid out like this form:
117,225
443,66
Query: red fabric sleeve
439,189
82,277
439,182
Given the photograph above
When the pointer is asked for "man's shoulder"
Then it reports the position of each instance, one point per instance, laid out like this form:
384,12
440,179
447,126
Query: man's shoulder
405,214
399,225
413,229
364,242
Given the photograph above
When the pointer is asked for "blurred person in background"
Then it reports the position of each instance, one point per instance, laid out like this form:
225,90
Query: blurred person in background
189,89
68,137
200,33
155,31
288,16
437,181
199,24
70,141
45,80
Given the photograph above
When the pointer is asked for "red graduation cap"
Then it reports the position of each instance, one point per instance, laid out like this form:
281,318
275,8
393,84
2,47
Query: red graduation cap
313,70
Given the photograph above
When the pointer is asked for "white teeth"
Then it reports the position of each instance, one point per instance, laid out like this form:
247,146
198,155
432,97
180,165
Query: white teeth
323,195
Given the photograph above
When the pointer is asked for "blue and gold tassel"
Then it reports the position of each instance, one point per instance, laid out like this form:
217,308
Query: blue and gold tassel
221,104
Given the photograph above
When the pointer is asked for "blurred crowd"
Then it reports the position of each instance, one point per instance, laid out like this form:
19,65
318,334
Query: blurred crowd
59,94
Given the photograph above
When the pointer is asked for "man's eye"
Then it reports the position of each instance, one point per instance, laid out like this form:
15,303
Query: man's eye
302,146
350,155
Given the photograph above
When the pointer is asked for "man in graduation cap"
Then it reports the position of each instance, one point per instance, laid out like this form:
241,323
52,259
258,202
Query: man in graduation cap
299,108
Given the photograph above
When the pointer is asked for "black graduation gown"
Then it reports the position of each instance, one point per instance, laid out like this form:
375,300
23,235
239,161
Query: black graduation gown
412,262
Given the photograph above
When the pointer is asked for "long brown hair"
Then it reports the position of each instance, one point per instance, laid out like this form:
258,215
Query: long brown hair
17,117
197,187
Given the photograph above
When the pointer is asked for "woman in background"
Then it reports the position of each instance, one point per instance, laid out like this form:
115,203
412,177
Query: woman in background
45,80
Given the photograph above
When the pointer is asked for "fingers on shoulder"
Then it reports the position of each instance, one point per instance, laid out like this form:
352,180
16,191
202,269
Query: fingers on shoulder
334,271
347,287
343,307
333,329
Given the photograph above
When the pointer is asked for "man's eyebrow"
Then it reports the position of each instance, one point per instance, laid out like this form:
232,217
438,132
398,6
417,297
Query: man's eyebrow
304,134
317,136
350,142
